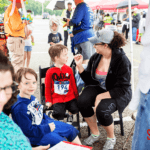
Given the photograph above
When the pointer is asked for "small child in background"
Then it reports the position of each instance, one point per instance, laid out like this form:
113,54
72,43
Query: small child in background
60,86
28,114
28,45
54,37
29,12
141,28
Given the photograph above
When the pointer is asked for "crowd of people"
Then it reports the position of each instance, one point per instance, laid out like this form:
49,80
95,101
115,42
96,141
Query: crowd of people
101,64
138,23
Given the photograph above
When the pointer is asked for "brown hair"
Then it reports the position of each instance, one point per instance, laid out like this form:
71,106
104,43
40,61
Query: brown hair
22,72
5,66
55,50
118,41
29,11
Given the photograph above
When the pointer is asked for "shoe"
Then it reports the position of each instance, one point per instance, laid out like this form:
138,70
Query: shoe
90,140
109,145
133,42
69,119
137,43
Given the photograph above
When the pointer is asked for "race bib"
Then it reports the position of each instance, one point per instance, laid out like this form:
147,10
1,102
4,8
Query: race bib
61,87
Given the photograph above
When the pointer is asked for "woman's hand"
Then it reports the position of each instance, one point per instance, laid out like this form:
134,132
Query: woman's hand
97,101
78,59
52,126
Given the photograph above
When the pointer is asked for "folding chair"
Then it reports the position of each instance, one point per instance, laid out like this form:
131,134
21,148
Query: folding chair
42,74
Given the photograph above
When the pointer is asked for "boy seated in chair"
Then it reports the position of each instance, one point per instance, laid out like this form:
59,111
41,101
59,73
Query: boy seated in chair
27,113
60,86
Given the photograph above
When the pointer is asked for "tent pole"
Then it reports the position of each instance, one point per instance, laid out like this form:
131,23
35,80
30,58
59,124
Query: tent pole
117,18
131,45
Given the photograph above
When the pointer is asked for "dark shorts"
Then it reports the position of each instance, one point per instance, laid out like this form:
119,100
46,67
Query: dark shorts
59,109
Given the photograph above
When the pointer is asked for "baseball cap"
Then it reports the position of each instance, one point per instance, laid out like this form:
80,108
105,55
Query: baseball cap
104,36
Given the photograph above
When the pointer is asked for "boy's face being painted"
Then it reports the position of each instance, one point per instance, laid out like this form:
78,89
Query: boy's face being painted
27,85
63,57
54,27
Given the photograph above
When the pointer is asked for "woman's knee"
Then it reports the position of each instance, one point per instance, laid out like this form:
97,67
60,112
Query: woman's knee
104,115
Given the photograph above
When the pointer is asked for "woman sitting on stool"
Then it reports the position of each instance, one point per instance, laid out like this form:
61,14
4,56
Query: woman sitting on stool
107,78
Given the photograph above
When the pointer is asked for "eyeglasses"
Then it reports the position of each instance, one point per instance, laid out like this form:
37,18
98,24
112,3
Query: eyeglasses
98,44
10,89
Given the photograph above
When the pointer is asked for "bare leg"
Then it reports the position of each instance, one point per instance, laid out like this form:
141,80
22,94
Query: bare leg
110,130
77,141
85,61
138,38
123,34
28,58
92,123
25,56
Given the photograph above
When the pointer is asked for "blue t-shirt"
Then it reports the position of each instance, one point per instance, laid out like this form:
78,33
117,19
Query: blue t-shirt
55,38
11,136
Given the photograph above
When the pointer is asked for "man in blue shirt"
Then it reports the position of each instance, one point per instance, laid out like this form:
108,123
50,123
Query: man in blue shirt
82,22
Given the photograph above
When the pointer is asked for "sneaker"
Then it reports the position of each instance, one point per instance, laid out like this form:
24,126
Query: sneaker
90,140
109,145
133,41
137,43
69,119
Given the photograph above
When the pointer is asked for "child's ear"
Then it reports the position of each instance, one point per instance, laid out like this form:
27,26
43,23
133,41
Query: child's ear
56,58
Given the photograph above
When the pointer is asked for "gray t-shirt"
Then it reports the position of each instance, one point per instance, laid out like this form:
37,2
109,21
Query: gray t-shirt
102,79
125,16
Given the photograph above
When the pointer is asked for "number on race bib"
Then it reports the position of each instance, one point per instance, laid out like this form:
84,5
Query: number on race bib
61,87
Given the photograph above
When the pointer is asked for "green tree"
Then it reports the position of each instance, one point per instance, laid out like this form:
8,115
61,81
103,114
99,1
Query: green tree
33,5
3,3
36,7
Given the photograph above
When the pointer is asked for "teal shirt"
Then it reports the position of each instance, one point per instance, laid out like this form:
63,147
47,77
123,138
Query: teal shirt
11,136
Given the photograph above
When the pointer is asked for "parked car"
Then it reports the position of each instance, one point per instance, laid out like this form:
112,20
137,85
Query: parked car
45,15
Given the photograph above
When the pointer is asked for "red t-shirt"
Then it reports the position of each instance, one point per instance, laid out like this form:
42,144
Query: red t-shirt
60,85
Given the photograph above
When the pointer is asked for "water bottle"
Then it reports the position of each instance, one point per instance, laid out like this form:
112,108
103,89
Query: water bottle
69,31
75,50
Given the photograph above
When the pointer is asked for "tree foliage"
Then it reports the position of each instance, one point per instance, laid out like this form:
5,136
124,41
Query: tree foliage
33,5
36,7
3,3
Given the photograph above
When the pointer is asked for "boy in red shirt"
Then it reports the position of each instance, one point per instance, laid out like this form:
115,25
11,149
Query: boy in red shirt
60,86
